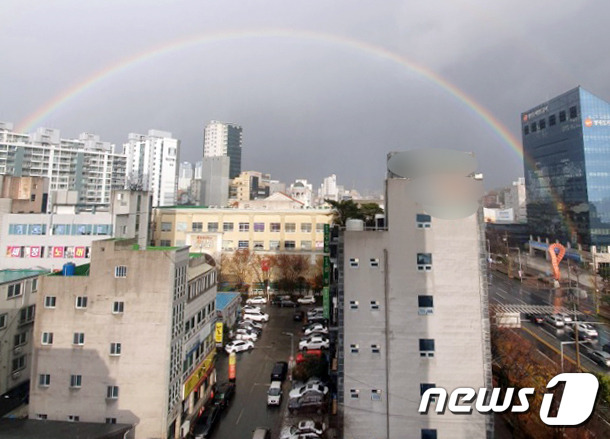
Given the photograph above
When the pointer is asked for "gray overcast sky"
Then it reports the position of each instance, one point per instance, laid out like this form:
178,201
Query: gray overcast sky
319,86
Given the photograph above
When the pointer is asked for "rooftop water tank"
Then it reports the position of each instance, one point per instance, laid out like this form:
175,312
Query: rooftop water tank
69,269
354,225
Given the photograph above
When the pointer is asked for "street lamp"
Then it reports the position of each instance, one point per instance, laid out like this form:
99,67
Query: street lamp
291,359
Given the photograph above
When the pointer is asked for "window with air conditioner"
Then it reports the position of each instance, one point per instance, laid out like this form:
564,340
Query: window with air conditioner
376,394
425,305
73,418
424,262
354,349
354,393
374,262
354,262
353,304
374,305
375,349
426,347
423,221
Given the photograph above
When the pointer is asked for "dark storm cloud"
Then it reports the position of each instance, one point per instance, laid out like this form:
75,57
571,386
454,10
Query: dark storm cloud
308,107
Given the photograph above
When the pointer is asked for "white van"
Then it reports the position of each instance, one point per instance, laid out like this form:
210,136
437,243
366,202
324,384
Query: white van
274,394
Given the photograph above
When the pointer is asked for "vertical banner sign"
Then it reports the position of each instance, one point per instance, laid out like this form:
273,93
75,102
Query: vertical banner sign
232,366
326,238
326,302
218,333
326,271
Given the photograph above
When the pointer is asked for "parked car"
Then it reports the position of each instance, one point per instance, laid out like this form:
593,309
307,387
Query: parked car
257,316
250,323
206,422
314,342
316,327
600,357
238,346
279,371
248,327
285,303
258,300
224,394
300,391
312,401
245,334
606,348
298,316
315,311
275,301
274,394
311,426
261,433
318,319
555,320
294,433
307,300
251,308
312,353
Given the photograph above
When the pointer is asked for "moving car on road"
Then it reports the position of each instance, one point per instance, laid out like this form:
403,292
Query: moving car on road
600,357
206,422
279,371
307,300
555,320
224,394
274,394
238,346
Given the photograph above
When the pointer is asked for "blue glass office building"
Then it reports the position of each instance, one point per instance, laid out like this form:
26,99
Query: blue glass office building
566,146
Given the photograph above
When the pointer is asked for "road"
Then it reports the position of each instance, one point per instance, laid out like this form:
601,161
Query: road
248,409
503,290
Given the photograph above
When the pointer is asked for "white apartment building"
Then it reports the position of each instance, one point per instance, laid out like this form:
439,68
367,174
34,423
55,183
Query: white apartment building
412,315
152,165
106,352
185,176
222,139
86,165
329,189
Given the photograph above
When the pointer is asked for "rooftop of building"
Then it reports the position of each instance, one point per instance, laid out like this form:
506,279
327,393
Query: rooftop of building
35,429
323,209
13,275
224,299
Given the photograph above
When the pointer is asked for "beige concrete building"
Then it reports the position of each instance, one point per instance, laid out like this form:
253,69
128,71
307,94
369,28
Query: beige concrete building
127,339
28,194
262,230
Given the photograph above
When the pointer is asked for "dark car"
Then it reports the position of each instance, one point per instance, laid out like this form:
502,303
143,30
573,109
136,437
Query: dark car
224,394
288,303
279,371
606,348
535,318
276,301
309,402
318,319
298,316
206,422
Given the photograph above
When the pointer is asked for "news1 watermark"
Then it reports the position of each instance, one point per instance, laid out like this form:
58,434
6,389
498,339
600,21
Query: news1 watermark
575,407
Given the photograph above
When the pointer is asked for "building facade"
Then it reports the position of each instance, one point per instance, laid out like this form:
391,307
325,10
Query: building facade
249,185
412,315
86,165
152,165
224,140
566,144
106,352
215,181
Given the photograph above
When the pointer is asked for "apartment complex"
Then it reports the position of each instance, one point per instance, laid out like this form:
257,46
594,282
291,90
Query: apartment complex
412,315
152,165
86,165
224,140
126,339
18,290
254,229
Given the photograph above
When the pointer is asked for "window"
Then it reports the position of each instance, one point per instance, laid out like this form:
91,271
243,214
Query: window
227,227
427,433
259,227
354,262
424,261
305,245
165,242
542,124
112,392
76,381
41,416
166,227
44,380
3,320
289,245
197,227
354,393
425,386
573,112
290,227
376,394
34,285
320,228
353,304
244,227
243,244
425,304
110,421
534,127
562,116
374,304
275,227
212,227
115,348
526,130
73,418
117,307
259,245
375,349
426,347
120,271
20,339
14,291
18,364
552,120
81,302
26,315
305,227
78,339
423,221
274,245
354,348
374,262
47,338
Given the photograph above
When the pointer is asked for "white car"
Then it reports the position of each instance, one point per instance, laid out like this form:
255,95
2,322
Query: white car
299,391
244,334
256,316
555,320
314,342
250,323
567,318
600,357
316,327
308,300
258,300
587,329
248,308
238,346
310,426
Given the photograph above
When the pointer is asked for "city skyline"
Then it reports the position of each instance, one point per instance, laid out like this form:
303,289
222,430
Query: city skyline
323,92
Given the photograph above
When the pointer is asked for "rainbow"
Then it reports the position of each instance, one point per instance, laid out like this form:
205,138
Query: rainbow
499,130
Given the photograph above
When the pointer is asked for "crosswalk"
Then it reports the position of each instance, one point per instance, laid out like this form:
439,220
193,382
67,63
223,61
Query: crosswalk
532,309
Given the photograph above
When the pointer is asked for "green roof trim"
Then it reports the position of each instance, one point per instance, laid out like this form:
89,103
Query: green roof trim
14,275
79,270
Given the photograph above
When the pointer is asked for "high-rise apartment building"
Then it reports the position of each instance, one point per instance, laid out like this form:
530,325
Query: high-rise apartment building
185,175
126,339
86,165
152,165
214,183
566,150
224,140
412,315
